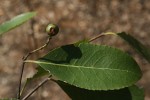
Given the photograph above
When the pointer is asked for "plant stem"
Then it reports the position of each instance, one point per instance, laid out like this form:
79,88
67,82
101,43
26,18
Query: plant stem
98,36
37,87
20,79
23,64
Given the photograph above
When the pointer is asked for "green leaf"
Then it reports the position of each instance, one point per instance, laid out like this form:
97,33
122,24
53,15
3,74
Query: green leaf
75,93
136,93
144,51
15,22
40,72
92,67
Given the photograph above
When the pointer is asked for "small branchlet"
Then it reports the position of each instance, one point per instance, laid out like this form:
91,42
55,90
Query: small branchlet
102,34
37,87
98,36
51,30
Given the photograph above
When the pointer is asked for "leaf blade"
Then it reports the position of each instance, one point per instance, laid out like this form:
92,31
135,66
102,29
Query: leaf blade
16,21
138,46
75,93
136,93
99,68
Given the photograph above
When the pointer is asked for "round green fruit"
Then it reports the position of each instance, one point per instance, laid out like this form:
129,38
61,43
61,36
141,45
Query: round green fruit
52,29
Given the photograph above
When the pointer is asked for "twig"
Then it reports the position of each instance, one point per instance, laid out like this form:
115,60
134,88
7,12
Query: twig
23,64
40,48
23,88
37,87
98,36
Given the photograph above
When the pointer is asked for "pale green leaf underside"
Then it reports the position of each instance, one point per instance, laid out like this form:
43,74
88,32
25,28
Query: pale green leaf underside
16,21
92,67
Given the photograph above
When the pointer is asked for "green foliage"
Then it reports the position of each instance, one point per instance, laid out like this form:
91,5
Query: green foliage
40,72
136,93
92,67
15,22
85,70
75,93
143,50
137,45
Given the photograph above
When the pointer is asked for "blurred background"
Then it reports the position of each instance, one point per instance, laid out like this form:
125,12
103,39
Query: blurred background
77,19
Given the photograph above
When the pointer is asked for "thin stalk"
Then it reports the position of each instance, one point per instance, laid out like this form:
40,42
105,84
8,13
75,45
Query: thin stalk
37,87
23,87
23,64
98,36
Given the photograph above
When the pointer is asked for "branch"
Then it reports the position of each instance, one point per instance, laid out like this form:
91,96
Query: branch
51,30
23,64
37,87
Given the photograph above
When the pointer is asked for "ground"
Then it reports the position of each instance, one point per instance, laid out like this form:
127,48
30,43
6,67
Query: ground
77,19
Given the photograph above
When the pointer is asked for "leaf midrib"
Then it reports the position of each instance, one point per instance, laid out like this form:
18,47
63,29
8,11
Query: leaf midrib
42,62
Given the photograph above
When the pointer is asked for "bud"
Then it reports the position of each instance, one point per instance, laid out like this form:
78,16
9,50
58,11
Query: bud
52,29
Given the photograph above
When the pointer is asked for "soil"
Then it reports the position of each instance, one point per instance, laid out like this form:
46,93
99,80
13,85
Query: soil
77,19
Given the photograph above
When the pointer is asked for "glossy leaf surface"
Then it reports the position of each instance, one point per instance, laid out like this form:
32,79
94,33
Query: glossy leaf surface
92,67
